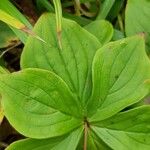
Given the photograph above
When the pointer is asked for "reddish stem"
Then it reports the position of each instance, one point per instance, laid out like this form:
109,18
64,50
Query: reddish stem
85,135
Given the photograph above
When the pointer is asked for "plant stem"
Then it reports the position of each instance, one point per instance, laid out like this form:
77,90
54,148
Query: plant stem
58,11
77,7
10,48
105,8
120,23
85,135
2,144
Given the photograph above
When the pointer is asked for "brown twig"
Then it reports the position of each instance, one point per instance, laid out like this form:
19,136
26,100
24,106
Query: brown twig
10,48
2,144
85,134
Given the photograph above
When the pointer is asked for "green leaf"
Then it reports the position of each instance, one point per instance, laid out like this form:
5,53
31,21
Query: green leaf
72,63
115,10
105,8
95,143
16,24
8,19
68,142
6,35
36,102
137,18
1,112
10,9
120,140
134,120
2,71
47,6
117,35
102,29
118,69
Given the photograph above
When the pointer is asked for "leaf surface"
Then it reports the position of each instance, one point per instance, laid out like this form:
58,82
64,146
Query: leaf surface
72,63
8,19
102,29
10,9
95,143
137,18
36,102
123,140
1,112
6,35
134,120
118,69
68,142
2,71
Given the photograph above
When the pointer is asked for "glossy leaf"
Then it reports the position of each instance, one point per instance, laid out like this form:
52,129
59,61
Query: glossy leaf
36,102
137,18
72,63
118,69
124,140
102,29
68,142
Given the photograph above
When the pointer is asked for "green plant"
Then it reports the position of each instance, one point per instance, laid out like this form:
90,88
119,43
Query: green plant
74,97
138,22
2,71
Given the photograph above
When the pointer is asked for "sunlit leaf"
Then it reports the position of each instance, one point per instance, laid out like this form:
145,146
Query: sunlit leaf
102,29
72,63
137,19
2,71
36,102
118,68
68,142
123,140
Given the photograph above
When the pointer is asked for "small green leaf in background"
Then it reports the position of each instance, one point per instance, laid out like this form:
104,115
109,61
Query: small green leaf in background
16,24
137,19
45,5
102,29
118,68
68,142
8,19
105,9
58,11
6,35
117,35
115,9
7,7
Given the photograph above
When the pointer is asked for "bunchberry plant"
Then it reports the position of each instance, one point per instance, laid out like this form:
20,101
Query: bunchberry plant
77,95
